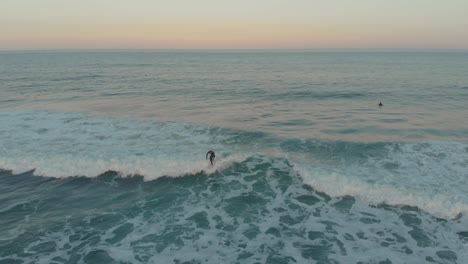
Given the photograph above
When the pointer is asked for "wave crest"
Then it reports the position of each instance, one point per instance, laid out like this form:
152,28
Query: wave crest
149,168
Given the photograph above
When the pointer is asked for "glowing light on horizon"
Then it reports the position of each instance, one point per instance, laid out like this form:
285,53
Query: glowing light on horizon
209,24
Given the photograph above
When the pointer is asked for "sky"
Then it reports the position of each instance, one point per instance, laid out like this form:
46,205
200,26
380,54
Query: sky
234,24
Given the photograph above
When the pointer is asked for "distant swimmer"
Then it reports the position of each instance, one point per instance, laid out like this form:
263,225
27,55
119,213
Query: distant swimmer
212,156
380,104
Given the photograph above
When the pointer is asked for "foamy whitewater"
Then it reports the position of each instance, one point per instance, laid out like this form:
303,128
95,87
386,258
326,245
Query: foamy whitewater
102,157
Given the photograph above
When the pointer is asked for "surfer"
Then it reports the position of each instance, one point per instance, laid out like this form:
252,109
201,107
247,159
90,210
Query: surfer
212,156
380,104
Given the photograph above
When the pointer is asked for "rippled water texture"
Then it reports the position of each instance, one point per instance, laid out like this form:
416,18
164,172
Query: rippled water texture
327,95
102,157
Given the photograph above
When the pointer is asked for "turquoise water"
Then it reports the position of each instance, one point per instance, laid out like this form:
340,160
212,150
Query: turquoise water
102,157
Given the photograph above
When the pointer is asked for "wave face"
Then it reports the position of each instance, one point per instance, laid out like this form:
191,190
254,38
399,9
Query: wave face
64,145
124,190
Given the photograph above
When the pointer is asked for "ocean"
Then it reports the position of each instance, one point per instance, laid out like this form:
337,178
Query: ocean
103,157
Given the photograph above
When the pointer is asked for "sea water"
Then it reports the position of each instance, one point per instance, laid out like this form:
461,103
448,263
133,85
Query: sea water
102,157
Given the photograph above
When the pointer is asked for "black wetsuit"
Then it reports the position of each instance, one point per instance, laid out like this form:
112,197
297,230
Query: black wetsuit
212,156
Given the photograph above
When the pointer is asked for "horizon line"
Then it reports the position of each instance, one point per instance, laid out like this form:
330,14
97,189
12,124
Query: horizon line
238,50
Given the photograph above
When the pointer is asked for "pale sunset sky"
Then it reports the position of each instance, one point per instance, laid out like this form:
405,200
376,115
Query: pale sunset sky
236,24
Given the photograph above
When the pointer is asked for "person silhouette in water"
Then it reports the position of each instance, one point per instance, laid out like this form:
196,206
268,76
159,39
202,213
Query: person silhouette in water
212,156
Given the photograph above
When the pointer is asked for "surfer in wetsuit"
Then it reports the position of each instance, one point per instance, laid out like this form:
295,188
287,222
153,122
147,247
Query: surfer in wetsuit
212,156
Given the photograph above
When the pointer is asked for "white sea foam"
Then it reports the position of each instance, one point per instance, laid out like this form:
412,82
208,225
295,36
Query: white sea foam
67,144
149,168
431,176
338,185
239,230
